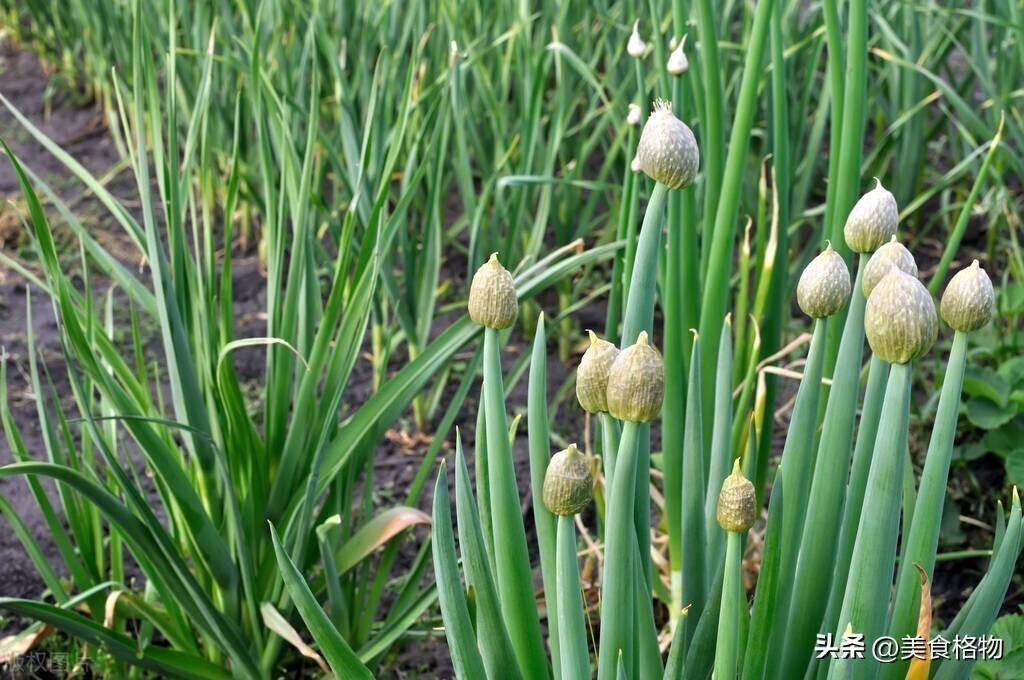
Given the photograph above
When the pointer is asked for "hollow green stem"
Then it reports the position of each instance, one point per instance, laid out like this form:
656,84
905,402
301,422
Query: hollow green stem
616,593
924,530
693,580
511,558
874,553
639,316
797,461
727,649
874,394
454,610
763,614
572,633
721,447
820,532
716,288
609,445
540,454
492,637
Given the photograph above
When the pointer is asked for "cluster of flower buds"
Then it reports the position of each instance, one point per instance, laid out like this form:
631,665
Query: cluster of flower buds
900,320
627,384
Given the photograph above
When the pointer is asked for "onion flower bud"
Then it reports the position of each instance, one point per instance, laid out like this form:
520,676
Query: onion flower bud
737,509
667,152
636,383
568,482
873,220
678,64
492,296
636,47
633,117
899,319
892,254
969,301
824,286
592,375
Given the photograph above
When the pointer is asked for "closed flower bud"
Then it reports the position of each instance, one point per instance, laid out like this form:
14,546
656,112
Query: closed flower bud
636,383
568,482
667,152
892,254
824,285
492,296
737,504
899,319
633,117
636,47
592,375
873,220
678,64
969,301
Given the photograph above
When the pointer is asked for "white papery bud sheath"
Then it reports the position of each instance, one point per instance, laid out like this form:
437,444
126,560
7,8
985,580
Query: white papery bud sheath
636,47
678,64
633,117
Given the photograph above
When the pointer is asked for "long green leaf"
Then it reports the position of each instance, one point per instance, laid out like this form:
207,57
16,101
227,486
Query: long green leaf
339,655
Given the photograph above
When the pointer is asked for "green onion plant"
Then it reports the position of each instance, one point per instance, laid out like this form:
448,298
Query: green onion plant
792,607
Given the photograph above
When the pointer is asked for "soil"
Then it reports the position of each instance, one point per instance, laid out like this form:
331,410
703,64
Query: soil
80,129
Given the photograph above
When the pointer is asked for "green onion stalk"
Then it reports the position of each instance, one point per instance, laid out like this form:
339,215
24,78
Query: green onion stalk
493,304
901,325
871,224
727,639
668,154
636,384
823,289
884,258
736,514
967,305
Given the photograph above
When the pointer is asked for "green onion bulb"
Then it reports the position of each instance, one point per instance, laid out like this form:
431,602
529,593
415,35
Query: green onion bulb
568,482
492,296
592,375
636,383
892,254
899,319
873,220
824,285
667,152
969,301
